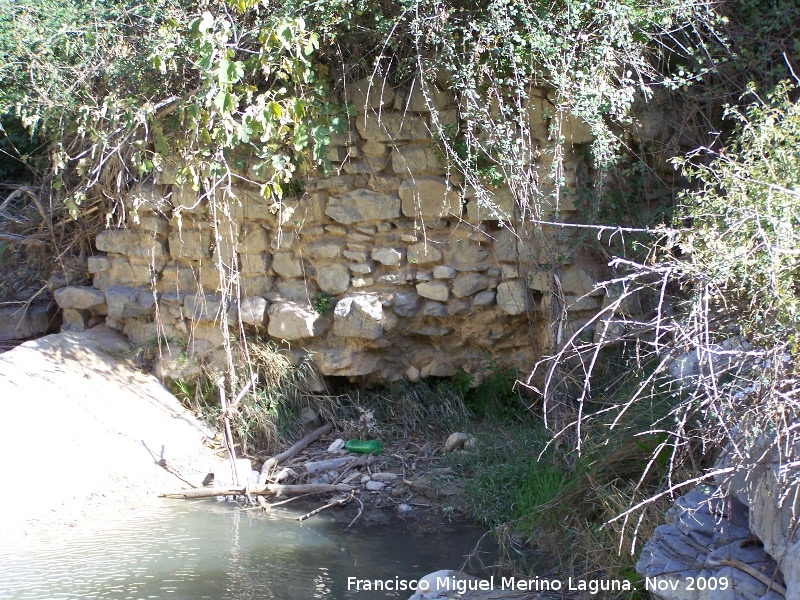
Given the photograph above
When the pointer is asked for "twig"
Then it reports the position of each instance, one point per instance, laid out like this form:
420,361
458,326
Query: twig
316,511
360,510
742,566
226,423
292,499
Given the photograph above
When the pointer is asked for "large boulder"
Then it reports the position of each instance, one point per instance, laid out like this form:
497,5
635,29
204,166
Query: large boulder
108,435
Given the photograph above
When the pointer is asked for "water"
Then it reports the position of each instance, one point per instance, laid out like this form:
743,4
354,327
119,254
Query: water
213,550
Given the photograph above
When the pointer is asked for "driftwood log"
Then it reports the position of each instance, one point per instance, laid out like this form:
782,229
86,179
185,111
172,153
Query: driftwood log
273,462
269,489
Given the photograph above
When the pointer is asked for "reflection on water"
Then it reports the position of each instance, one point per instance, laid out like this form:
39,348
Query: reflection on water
208,550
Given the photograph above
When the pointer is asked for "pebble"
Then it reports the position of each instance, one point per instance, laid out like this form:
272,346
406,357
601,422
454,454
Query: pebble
404,509
384,476
336,445
375,486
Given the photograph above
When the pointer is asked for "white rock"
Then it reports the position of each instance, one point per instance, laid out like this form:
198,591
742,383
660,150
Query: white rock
337,444
456,440
374,486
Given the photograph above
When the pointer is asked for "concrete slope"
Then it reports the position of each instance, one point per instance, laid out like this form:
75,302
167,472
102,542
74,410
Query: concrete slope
85,434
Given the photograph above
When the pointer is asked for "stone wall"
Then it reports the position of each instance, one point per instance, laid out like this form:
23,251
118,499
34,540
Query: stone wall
421,279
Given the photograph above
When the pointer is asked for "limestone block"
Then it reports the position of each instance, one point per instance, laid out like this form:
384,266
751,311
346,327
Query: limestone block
19,323
363,205
369,93
130,242
326,250
74,320
333,278
140,331
467,284
390,257
539,281
435,290
578,303
390,126
432,331
357,255
337,154
422,253
203,307
363,268
498,205
209,332
458,306
148,197
294,290
374,149
126,302
578,282
98,263
485,298
505,246
181,277
153,224
126,271
185,200
509,271
192,244
384,184
444,272
426,96
334,185
345,362
78,297
254,263
253,310
358,317
564,203
287,265
256,285
292,321
575,130
465,252
416,159
369,164
539,112
434,309
310,208
512,297
406,304
429,197
255,242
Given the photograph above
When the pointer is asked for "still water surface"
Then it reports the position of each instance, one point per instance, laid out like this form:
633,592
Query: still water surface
191,550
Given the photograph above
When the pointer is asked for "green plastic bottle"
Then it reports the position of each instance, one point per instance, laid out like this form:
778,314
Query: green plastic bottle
364,446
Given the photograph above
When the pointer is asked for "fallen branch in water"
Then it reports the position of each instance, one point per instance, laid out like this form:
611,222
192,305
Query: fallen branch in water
360,510
316,511
269,489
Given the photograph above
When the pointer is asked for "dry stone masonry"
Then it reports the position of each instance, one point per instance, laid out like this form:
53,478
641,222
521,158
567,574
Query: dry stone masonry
390,268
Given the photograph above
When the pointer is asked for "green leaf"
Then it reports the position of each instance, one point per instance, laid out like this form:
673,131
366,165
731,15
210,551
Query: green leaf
300,137
224,102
